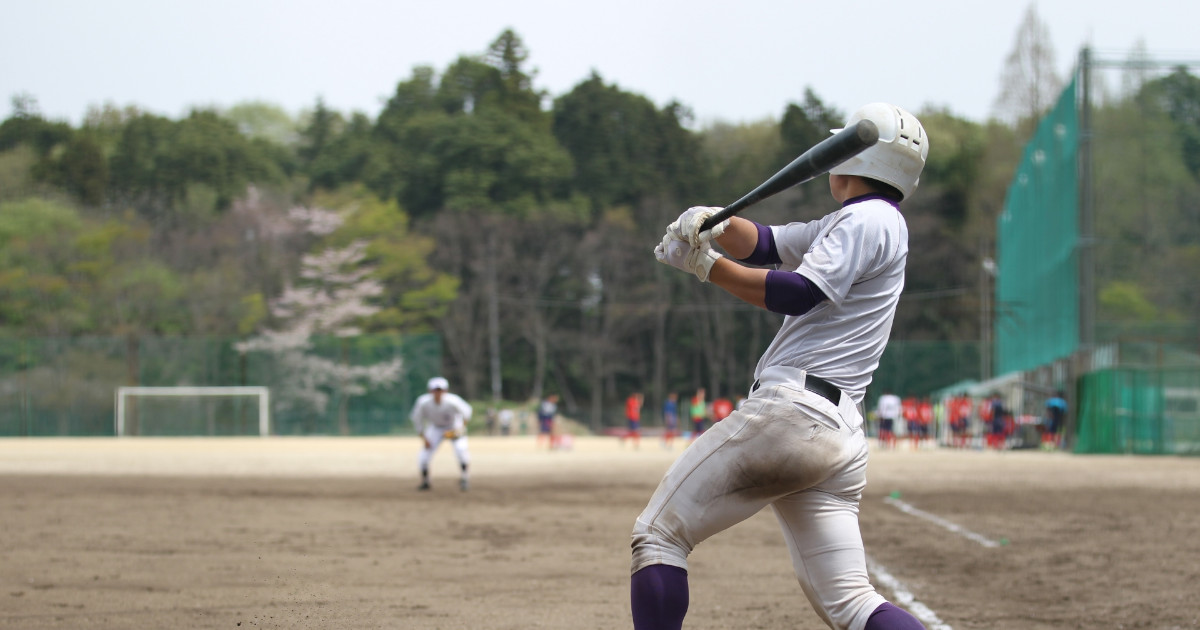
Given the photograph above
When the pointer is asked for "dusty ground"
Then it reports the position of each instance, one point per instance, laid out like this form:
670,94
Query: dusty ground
330,533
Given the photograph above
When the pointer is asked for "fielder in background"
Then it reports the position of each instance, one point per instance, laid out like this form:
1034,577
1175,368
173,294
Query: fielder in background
797,444
439,415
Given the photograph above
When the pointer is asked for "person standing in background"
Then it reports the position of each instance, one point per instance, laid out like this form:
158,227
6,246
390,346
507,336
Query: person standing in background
721,408
698,411
546,411
889,408
670,419
633,419
1056,415
925,421
506,421
909,408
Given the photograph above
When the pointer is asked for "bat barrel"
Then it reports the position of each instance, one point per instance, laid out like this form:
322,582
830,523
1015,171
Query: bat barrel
820,159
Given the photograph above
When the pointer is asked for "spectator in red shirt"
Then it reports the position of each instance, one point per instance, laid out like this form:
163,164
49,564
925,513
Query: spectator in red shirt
925,420
721,408
908,408
633,417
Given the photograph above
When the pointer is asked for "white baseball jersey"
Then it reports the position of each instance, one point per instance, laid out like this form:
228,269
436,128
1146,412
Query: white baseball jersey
449,415
856,257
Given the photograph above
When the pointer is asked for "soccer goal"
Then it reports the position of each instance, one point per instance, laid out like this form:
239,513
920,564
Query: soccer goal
191,410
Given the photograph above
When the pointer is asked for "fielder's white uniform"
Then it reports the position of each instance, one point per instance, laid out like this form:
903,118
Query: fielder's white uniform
440,421
791,448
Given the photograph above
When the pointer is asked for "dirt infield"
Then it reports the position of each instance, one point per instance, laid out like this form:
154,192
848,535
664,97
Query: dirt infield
330,533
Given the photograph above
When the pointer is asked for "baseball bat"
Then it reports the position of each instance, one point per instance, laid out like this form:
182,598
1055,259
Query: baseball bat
823,156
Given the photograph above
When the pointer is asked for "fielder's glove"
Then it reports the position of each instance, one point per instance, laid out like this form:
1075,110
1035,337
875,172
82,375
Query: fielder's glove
687,226
450,435
682,256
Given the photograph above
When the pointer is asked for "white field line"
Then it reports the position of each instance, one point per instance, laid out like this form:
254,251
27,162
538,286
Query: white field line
904,597
937,520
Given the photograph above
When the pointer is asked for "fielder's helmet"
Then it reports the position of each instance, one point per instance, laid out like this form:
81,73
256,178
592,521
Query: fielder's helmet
899,156
438,382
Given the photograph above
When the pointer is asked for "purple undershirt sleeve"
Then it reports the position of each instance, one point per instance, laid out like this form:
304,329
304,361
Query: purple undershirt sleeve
790,293
764,253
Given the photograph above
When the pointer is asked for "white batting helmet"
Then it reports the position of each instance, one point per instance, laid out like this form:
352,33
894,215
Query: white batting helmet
438,382
899,156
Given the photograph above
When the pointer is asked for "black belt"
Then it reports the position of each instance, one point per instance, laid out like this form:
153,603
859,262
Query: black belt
818,386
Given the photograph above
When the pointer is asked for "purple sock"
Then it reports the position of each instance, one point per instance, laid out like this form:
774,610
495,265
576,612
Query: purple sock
889,617
659,594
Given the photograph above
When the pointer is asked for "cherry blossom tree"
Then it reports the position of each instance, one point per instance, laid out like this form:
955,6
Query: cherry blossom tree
331,296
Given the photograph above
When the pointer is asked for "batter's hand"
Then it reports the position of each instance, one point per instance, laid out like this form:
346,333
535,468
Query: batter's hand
687,226
684,257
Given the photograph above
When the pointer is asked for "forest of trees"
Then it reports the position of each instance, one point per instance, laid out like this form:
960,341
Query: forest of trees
518,225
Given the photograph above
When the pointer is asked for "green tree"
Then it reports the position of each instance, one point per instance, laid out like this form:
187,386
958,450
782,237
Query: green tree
476,140
1145,199
322,127
615,140
159,162
16,173
353,155
805,124
1178,94
81,169
26,126
35,294
64,274
742,156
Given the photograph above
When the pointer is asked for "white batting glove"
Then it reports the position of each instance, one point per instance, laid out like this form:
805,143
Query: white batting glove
687,226
701,260
673,251
676,252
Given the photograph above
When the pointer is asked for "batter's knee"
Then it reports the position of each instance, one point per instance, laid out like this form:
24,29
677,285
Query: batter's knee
653,546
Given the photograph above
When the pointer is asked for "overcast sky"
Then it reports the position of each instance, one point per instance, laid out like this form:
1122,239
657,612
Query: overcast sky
736,61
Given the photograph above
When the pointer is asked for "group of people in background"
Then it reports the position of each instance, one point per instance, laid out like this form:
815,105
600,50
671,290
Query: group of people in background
916,414
701,414
989,420
439,415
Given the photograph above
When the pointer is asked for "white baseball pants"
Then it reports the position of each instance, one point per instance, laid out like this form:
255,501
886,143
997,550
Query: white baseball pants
435,436
788,448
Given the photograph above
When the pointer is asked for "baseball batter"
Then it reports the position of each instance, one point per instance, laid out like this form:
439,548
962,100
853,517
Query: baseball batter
439,415
797,444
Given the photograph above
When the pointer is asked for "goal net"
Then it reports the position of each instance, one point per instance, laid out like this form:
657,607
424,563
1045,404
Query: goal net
190,410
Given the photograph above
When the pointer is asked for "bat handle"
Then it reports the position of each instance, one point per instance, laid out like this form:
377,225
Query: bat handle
720,215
